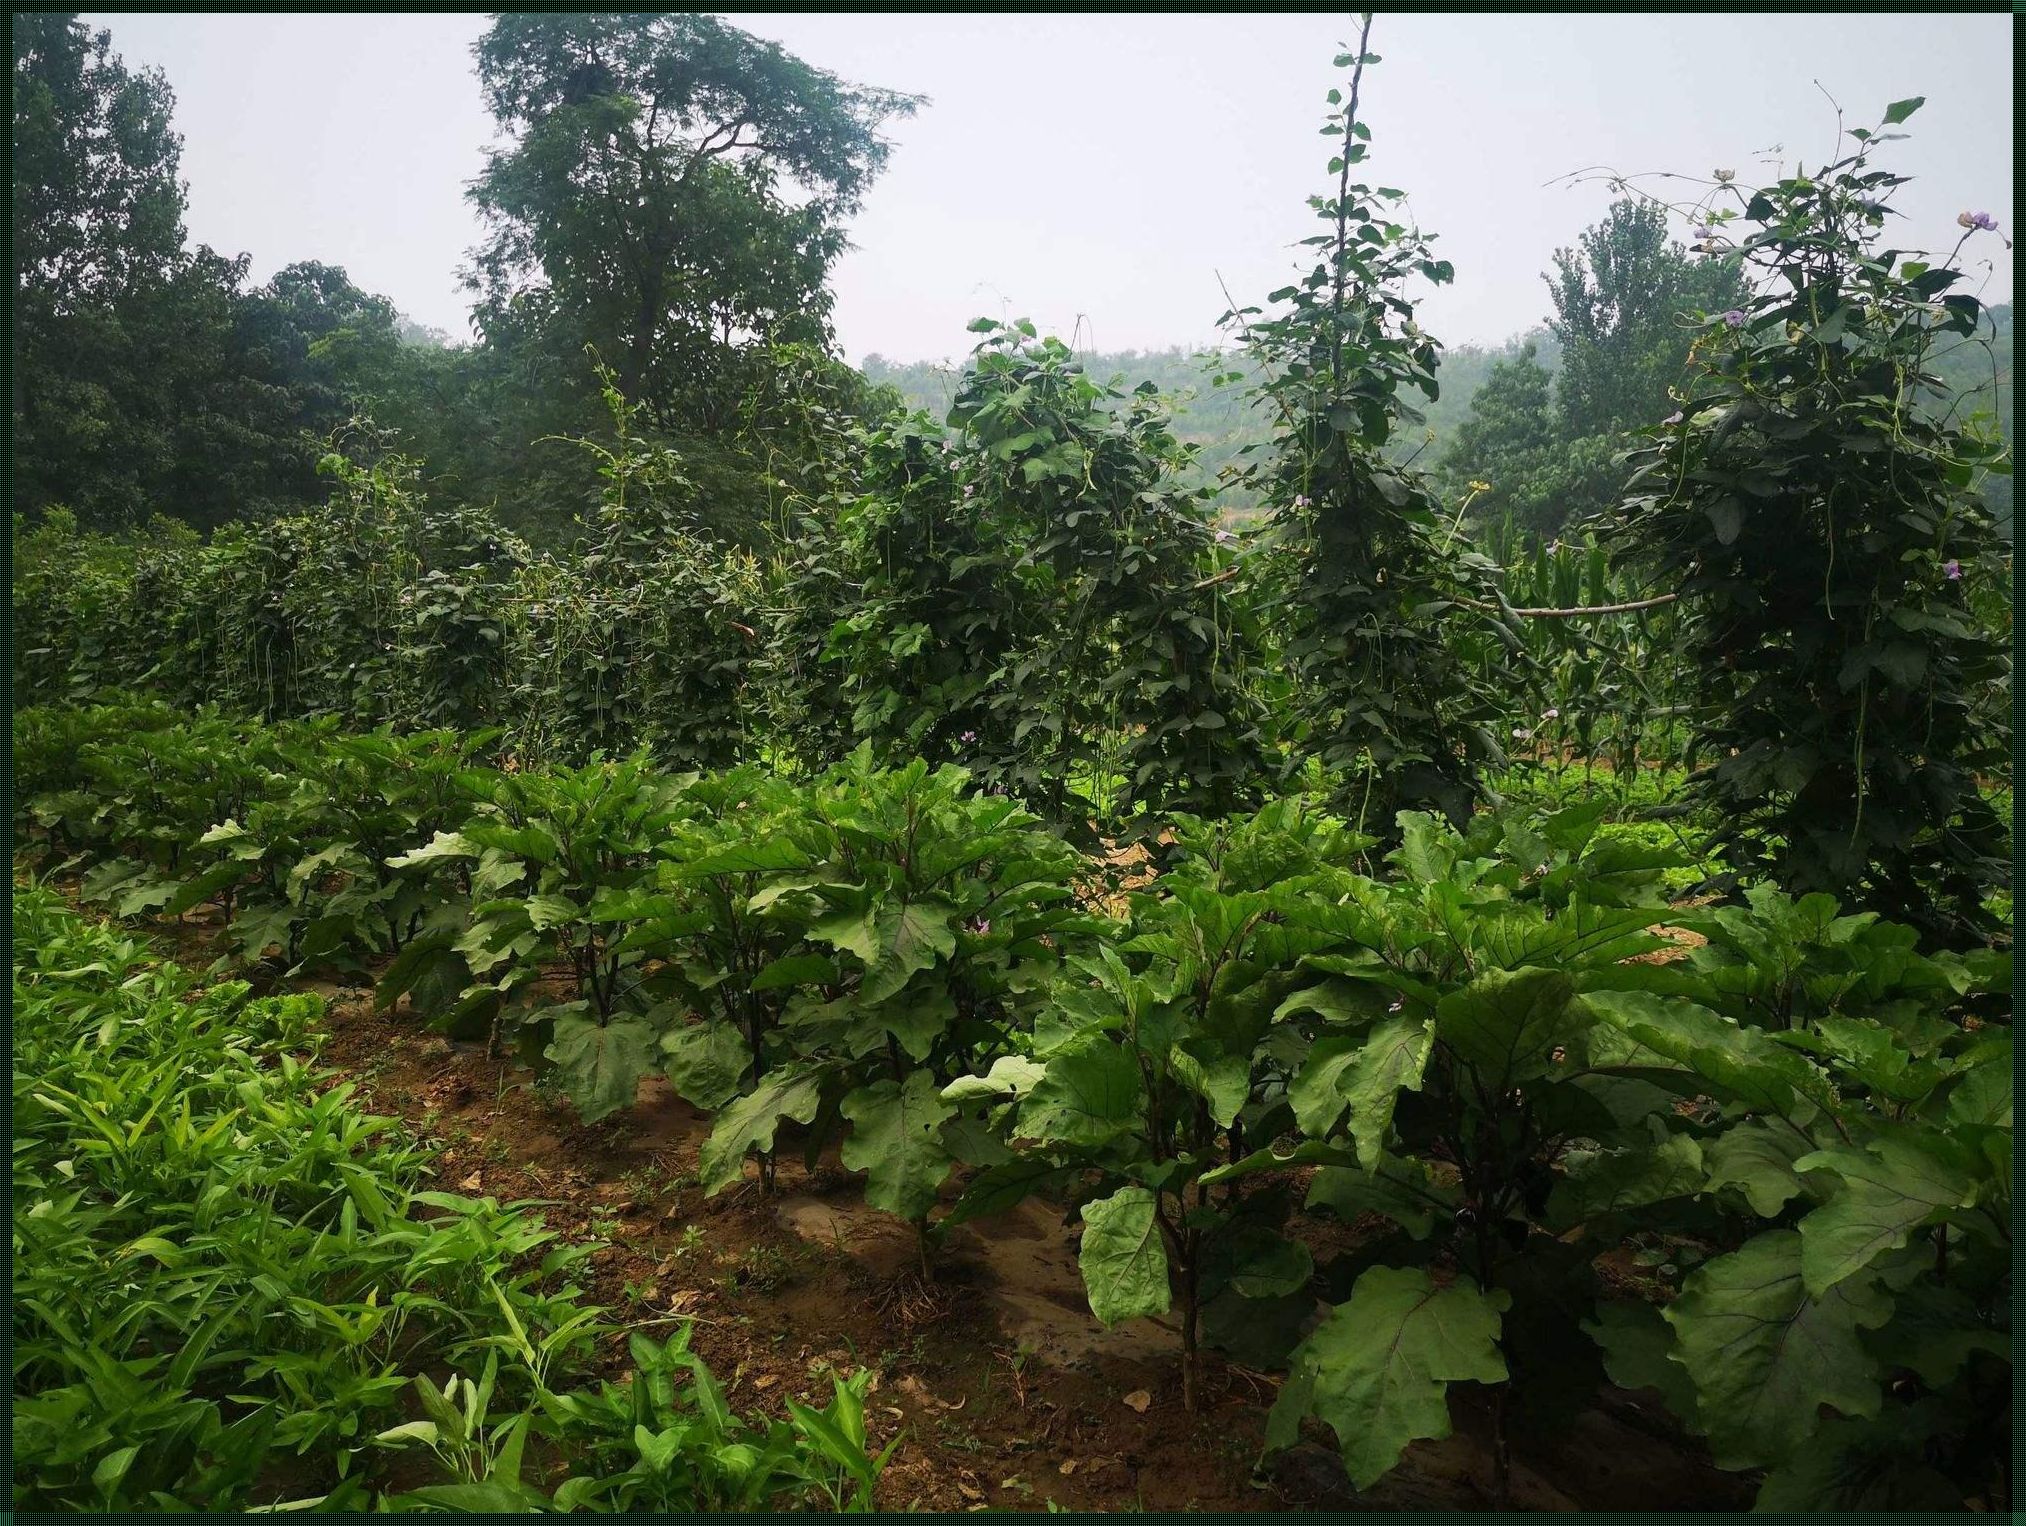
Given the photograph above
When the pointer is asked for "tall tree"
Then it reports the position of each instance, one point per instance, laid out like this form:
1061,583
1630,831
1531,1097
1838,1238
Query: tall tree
1509,440
1619,303
98,220
672,194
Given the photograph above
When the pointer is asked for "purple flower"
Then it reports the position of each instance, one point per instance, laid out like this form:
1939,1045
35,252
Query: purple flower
1301,500
1225,537
1705,233
1673,418
1952,570
1976,221
981,925
968,737
1522,734
1735,317
1551,713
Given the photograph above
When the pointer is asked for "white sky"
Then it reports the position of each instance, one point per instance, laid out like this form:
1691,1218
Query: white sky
1096,173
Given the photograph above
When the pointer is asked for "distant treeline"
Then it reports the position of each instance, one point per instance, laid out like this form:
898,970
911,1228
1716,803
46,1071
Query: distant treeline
1506,425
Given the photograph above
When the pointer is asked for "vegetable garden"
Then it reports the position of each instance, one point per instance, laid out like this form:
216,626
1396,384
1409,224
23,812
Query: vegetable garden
1450,988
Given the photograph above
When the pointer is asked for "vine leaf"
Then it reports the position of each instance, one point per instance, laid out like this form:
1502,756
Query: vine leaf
1378,1368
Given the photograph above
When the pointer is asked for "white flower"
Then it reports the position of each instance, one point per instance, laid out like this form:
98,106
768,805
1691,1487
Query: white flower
1522,734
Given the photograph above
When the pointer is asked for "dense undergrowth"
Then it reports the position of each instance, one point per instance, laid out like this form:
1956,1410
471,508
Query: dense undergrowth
233,1287
1806,1121
994,818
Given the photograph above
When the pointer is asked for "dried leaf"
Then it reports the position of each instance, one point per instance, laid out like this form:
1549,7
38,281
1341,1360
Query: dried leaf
1138,1400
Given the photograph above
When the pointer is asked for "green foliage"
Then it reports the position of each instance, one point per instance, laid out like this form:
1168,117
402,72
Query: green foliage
1620,299
716,167
914,661
908,928
259,1273
1822,529
1379,1367
1362,564
1801,1109
665,1441
1033,586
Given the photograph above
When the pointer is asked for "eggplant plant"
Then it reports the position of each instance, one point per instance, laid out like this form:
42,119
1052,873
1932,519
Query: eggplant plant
1136,1077
930,919
552,849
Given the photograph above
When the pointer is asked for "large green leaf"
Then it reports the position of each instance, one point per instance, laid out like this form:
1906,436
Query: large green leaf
1507,1024
601,1063
1224,1081
1254,1261
1737,1063
1089,1094
547,911
1378,1368
1757,1157
442,845
1764,1356
892,939
1308,1153
1399,1189
1011,1075
1366,1074
1123,1260
896,1139
1933,1330
706,1062
1877,1466
1637,1345
749,1124
998,1188
1599,1182
1905,1179
1984,1094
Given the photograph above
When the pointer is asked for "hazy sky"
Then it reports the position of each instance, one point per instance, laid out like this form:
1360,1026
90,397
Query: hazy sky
1097,173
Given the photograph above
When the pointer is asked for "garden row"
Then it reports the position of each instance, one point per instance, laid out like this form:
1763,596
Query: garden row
1804,1125
232,1289
1028,590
